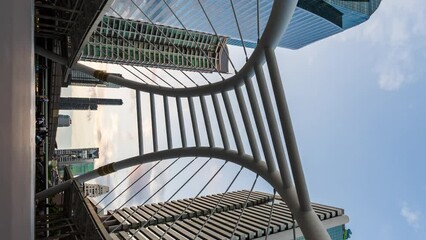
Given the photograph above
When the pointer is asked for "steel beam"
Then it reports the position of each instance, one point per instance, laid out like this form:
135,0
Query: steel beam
139,119
273,127
85,25
266,146
220,122
297,200
248,125
194,122
287,127
153,123
233,122
50,55
181,122
168,127
207,121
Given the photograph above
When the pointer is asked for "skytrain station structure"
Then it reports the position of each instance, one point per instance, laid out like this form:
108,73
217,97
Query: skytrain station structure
53,38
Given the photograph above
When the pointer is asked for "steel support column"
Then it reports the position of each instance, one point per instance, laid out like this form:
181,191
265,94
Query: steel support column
287,127
139,119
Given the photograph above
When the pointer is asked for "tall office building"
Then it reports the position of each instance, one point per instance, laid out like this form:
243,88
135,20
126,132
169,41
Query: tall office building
81,168
78,155
86,103
77,78
94,190
64,120
312,20
77,168
144,44
252,224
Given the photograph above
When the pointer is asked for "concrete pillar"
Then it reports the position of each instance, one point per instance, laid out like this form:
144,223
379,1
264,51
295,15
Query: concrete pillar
17,120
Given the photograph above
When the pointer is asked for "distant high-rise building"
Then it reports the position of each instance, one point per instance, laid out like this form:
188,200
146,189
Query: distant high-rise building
312,20
64,121
77,78
252,224
77,168
86,103
81,168
143,44
78,155
94,190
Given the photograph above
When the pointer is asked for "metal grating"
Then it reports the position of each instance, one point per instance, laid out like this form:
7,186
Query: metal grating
253,224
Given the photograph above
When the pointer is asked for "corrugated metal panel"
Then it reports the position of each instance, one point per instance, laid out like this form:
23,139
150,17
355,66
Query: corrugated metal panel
253,222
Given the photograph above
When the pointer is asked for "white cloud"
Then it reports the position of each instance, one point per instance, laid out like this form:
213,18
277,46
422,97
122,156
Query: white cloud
395,32
396,69
399,32
391,80
411,216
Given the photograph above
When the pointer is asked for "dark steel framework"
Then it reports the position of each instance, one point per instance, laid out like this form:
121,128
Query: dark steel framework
284,174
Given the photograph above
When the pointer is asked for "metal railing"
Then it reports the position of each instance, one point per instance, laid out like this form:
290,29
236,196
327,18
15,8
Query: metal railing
78,218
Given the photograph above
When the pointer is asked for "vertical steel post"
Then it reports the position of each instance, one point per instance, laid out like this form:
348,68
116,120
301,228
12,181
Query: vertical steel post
287,127
181,122
247,124
234,125
194,122
273,127
168,127
266,146
139,119
220,122
153,122
207,120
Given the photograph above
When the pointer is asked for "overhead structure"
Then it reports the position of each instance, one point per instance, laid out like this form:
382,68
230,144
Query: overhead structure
265,215
243,119
273,166
72,22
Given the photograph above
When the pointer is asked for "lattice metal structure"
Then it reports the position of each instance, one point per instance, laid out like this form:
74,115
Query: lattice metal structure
284,174
243,119
261,208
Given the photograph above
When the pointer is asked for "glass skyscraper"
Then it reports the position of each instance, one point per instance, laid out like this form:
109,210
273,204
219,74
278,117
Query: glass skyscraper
78,155
336,233
77,78
71,103
312,20
144,44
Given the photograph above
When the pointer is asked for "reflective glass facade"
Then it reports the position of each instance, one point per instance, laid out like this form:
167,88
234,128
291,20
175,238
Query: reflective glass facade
78,168
312,20
336,233
144,44
81,168
77,78
69,156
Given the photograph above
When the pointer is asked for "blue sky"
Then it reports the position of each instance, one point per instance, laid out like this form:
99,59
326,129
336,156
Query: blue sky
357,101
358,105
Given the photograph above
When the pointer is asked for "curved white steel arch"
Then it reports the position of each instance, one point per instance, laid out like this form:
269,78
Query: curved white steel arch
295,194
308,221
280,16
